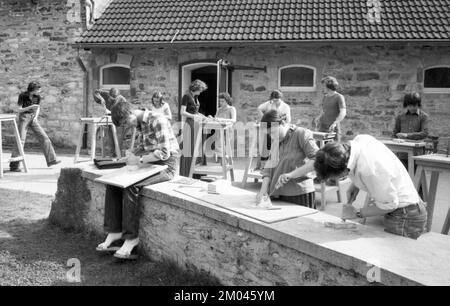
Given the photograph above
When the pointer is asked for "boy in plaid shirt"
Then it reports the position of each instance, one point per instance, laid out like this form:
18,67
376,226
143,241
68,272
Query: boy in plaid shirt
158,145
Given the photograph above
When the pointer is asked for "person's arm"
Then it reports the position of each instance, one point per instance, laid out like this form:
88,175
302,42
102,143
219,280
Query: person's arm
24,109
185,114
423,133
36,113
98,98
167,112
261,110
342,113
397,127
288,114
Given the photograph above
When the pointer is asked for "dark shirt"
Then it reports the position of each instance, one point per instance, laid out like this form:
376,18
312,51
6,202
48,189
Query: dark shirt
297,146
191,103
27,99
109,101
414,125
331,106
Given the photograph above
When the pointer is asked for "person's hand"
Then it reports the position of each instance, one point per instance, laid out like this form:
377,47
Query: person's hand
332,127
259,196
402,135
348,212
283,179
352,193
132,160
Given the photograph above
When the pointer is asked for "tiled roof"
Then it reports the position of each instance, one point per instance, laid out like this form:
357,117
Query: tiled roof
156,21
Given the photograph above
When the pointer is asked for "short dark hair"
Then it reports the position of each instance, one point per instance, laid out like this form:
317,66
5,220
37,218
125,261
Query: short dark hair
120,112
273,116
412,98
32,86
276,94
331,160
198,85
330,82
227,97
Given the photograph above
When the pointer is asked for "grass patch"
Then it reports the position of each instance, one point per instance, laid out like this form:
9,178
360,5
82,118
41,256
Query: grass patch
33,252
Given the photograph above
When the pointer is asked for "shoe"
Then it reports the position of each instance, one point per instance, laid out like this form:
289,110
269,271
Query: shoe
55,162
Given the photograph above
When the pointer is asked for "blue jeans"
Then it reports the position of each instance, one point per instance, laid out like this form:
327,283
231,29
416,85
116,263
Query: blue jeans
409,221
122,207
26,122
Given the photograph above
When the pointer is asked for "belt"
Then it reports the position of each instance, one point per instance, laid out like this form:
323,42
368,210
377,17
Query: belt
411,207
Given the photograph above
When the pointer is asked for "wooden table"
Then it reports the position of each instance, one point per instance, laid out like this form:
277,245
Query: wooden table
225,129
21,157
96,123
412,148
435,163
323,138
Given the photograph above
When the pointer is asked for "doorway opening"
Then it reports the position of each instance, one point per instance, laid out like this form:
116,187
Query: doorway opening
205,71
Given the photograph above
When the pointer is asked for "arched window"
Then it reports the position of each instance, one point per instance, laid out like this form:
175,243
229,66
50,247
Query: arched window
437,79
115,75
297,78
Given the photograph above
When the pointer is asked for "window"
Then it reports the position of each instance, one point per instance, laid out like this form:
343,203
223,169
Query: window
437,80
297,78
115,75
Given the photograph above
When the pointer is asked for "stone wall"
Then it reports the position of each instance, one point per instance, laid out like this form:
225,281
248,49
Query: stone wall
35,45
373,79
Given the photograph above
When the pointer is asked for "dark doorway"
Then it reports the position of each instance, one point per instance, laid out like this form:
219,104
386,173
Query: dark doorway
207,99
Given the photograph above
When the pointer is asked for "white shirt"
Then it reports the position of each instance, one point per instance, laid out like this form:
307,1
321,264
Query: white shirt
283,109
375,169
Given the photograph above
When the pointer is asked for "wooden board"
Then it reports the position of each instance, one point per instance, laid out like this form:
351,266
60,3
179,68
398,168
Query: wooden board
130,175
243,202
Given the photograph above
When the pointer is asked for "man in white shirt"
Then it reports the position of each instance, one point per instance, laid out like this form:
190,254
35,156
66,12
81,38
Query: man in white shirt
373,168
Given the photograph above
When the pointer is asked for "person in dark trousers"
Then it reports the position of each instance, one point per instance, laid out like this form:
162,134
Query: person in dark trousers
122,208
190,112
29,107
413,124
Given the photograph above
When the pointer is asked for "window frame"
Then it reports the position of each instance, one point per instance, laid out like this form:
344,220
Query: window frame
298,88
118,86
436,90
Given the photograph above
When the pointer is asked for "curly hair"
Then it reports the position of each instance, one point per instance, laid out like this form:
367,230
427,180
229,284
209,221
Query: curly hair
226,96
412,98
120,112
330,82
273,116
332,160
198,85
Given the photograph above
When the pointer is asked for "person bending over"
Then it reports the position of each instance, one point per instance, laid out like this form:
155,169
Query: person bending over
292,147
373,168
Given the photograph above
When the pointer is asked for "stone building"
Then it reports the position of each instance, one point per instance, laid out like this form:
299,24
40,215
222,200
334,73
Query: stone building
35,44
378,50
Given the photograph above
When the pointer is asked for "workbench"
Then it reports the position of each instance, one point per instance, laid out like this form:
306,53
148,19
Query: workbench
436,164
21,157
412,148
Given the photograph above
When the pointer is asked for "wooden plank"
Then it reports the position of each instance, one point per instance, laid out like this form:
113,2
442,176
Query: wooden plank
129,175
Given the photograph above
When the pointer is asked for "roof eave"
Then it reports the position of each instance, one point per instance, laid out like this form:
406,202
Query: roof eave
228,42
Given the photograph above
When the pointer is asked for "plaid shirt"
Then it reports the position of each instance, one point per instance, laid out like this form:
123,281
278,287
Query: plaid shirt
156,134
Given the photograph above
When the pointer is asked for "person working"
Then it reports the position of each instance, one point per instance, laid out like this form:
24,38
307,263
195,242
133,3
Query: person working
414,123
158,146
275,103
159,106
373,168
107,98
189,111
29,108
295,146
333,107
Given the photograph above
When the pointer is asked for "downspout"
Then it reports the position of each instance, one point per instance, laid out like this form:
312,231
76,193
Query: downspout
85,95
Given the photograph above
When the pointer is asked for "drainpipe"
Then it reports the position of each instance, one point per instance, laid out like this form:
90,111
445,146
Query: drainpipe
85,95
219,64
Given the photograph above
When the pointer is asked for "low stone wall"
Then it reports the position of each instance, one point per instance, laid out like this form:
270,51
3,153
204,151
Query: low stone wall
242,251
